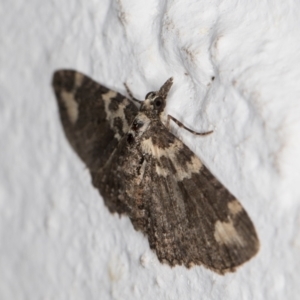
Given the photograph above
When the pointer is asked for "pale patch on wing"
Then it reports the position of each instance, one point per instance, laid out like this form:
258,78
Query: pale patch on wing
225,233
194,166
110,94
235,207
69,101
78,79
149,148
183,171
112,114
71,105
162,171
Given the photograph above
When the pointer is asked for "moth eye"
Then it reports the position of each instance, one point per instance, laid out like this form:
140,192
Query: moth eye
149,94
158,102
130,139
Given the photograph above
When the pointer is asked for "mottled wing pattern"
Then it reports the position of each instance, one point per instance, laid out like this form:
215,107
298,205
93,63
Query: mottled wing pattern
94,118
199,221
188,215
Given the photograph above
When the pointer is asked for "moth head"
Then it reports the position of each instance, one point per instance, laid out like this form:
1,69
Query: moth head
156,101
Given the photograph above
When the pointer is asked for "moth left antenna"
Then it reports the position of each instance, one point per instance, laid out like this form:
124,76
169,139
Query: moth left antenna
130,94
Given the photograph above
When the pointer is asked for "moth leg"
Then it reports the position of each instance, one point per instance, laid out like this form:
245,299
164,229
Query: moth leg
181,125
130,94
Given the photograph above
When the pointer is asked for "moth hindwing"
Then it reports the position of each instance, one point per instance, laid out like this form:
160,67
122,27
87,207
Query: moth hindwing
141,169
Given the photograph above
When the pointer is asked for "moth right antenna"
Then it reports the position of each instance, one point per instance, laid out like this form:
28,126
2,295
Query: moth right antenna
186,128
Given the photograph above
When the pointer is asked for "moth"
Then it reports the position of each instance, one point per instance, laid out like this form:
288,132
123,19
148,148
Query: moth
142,170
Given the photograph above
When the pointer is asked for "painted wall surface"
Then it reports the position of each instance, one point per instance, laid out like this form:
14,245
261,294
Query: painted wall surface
236,69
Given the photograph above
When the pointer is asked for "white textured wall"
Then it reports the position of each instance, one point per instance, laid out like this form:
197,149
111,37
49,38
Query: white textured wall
57,239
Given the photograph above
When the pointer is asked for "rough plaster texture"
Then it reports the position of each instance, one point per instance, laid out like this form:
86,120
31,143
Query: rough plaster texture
57,239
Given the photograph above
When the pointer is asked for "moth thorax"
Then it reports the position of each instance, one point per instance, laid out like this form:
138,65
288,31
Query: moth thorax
138,127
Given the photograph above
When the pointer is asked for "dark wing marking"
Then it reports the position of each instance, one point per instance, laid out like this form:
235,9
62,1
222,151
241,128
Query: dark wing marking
94,118
110,180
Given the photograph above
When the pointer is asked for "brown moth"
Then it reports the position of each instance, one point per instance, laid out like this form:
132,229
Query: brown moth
142,170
